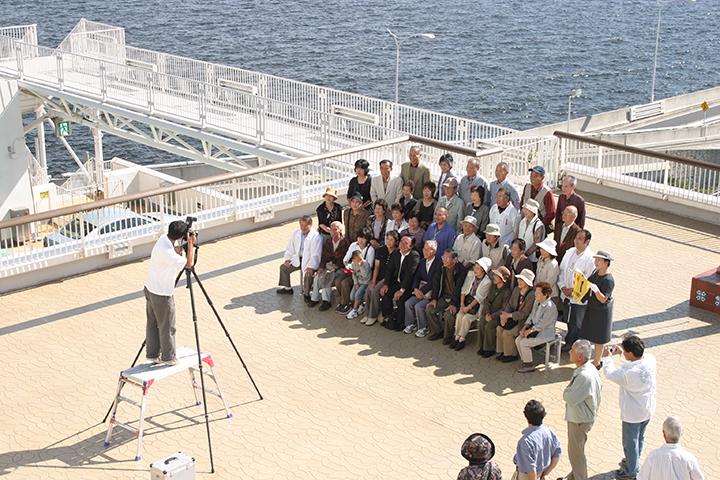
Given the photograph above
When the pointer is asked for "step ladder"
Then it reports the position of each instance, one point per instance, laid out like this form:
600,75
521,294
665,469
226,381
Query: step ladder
145,375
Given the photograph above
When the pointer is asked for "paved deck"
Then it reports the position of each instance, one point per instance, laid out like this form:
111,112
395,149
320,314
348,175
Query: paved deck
341,400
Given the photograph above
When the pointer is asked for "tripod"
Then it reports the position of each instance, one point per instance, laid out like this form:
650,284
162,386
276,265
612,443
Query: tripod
189,275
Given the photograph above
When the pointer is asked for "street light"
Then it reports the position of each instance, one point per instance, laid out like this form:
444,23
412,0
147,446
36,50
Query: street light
657,46
575,93
397,57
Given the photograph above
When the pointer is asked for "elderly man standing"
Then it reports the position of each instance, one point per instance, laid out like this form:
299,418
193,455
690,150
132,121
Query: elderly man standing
671,461
538,450
565,235
637,381
302,253
427,270
441,232
570,197
386,186
579,258
538,191
412,170
355,218
582,402
467,244
506,216
331,267
452,203
502,170
472,179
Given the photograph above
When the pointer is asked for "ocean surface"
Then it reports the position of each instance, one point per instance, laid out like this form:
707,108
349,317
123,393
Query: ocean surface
511,63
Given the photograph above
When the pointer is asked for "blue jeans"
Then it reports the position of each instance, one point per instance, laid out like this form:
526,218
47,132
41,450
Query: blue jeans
357,294
633,437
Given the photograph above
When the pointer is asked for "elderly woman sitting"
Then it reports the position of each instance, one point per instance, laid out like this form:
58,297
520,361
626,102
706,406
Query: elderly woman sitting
539,327
479,450
472,297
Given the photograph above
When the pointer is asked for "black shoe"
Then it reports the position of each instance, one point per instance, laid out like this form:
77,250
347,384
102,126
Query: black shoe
460,345
324,306
343,309
435,336
509,359
306,298
453,343
286,291
480,352
487,353
447,340
398,327
312,303
389,324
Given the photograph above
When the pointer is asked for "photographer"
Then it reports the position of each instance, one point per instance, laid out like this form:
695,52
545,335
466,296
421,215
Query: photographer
166,261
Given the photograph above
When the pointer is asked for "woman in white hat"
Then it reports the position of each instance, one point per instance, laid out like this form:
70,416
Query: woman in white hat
514,315
539,328
531,228
597,326
493,306
492,248
472,296
547,269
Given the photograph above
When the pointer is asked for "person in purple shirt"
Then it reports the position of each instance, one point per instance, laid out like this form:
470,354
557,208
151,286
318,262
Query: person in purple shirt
441,232
538,450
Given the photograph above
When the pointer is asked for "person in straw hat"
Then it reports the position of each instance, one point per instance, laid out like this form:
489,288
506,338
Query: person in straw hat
467,244
514,315
489,318
531,228
474,291
539,328
328,212
492,248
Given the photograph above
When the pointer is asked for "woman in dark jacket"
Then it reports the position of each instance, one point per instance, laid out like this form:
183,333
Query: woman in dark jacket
489,316
328,211
360,183
597,326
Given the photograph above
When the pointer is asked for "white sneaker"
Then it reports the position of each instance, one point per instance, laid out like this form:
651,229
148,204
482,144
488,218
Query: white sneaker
422,333
410,329
361,310
370,321
352,314
363,320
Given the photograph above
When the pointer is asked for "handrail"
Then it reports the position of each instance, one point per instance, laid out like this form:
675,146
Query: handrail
38,217
636,150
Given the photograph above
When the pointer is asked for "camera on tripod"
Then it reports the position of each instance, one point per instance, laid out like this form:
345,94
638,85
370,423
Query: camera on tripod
190,220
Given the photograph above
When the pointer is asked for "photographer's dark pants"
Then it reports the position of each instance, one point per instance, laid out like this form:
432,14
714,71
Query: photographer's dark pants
160,328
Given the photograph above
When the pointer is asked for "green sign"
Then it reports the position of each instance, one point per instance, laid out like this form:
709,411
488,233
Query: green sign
62,129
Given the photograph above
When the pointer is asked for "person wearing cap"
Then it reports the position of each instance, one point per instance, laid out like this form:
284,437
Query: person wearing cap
385,185
428,269
538,191
473,293
531,229
505,216
539,328
355,218
579,258
492,248
446,163
517,261
426,206
489,318
597,325
445,298
377,223
513,316
452,203
565,236
467,244
547,268
328,212
502,170
441,232
472,179
570,197
476,208
479,450
361,183
413,170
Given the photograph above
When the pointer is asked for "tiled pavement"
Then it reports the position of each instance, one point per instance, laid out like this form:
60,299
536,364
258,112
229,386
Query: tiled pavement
341,400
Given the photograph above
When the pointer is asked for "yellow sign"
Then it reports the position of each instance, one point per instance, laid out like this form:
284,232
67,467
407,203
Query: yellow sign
581,287
44,195
705,107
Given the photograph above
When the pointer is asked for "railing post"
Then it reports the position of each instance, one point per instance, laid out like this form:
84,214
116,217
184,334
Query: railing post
19,59
260,120
151,96
60,70
301,184
461,131
666,179
236,198
103,82
600,160
202,104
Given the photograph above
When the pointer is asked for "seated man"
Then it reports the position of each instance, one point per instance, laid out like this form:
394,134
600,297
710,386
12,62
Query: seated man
331,267
513,316
302,253
398,282
428,269
445,299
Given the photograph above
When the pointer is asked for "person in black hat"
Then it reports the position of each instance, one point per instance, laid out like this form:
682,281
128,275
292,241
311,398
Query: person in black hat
479,450
540,192
597,326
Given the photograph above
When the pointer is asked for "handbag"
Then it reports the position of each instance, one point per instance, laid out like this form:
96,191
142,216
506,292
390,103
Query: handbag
468,300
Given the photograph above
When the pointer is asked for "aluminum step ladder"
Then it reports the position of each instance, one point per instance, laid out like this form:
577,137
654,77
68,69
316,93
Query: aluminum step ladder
145,375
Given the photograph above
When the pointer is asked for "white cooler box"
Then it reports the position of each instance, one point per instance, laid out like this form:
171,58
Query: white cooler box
177,466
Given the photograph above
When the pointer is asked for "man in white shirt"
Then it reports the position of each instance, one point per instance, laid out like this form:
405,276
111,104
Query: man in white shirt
578,258
302,253
637,381
166,261
506,216
671,461
467,244
386,186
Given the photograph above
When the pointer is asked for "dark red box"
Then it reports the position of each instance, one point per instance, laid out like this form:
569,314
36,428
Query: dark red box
705,291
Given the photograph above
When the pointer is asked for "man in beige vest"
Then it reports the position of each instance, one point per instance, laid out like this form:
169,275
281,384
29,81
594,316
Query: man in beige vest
538,191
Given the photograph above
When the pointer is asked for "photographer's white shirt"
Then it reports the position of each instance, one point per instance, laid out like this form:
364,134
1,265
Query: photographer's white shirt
165,264
637,382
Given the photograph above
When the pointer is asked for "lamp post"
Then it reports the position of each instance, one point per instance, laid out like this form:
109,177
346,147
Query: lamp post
397,57
575,93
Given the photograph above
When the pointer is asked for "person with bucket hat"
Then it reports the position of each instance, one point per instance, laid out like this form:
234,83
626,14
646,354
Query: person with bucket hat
452,203
540,192
489,318
514,315
539,328
547,268
479,450
597,325
472,297
531,229
328,212
492,248
467,244
505,216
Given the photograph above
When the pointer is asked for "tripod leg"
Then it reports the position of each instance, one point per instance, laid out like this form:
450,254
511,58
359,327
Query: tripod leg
227,334
131,366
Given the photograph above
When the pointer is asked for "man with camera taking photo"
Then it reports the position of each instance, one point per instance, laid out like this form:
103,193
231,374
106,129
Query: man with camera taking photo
166,261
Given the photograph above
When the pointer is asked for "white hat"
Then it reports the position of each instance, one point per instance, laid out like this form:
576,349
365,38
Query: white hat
527,276
485,263
532,205
471,220
492,229
549,246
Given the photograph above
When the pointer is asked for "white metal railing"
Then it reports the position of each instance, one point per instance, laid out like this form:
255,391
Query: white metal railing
27,34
